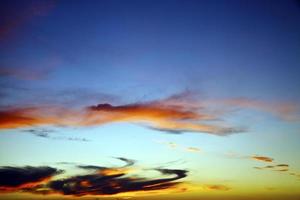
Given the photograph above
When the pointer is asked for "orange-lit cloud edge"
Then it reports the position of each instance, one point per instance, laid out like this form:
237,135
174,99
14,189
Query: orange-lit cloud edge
175,114
96,181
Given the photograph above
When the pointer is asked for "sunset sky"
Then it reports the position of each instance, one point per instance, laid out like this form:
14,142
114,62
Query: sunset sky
149,99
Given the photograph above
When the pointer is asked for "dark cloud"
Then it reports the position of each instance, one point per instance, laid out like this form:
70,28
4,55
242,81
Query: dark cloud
72,139
165,130
90,167
278,167
282,170
129,162
40,132
282,165
18,176
97,181
46,133
98,184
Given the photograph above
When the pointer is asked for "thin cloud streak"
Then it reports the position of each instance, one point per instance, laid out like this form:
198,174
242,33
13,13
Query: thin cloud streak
262,158
45,133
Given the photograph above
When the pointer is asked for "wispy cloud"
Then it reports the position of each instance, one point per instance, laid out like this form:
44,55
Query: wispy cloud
282,168
98,180
262,158
193,149
23,74
47,133
288,111
173,145
279,167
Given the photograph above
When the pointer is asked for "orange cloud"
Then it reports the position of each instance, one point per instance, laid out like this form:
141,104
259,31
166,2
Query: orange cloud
11,118
15,118
169,115
262,158
158,115
175,114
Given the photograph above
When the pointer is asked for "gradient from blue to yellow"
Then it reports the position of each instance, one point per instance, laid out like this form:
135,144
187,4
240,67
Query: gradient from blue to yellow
83,53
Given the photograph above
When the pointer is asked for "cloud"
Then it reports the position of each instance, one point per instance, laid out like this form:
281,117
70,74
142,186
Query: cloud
46,133
193,149
282,165
275,167
109,184
167,115
18,117
88,167
97,180
170,115
217,187
23,74
278,167
173,145
282,170
13,178
175,114
288,111
129,162
262,158
297,175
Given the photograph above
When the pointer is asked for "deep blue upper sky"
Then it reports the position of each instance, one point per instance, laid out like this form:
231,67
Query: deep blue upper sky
221,48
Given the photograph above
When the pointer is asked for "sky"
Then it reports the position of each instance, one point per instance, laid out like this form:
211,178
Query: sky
170,99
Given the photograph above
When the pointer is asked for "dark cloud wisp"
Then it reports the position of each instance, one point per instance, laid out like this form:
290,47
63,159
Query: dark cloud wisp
12,177
97,180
